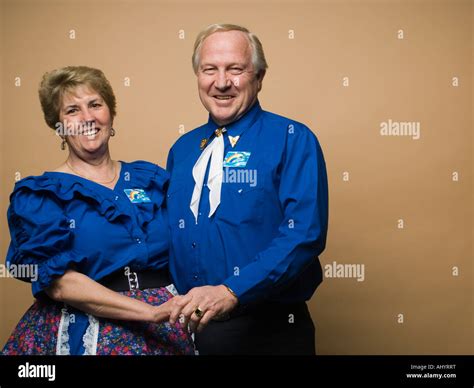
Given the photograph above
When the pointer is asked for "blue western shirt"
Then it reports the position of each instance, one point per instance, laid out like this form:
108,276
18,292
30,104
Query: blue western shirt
264,239
59,221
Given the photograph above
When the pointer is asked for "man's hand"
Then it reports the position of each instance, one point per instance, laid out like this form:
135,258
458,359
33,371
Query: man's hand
201,304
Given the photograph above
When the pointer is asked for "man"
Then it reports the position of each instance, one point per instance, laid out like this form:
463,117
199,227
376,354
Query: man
247,204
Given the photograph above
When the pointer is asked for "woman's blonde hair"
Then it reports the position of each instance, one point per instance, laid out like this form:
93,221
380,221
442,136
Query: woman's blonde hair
60,81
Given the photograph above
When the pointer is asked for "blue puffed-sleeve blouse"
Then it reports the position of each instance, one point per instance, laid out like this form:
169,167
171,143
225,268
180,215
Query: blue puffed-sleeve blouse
59,221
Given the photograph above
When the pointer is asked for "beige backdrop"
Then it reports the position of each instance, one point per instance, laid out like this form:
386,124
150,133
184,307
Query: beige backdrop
399,206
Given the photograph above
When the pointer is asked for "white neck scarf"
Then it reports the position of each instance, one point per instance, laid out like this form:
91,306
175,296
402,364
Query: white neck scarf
214,152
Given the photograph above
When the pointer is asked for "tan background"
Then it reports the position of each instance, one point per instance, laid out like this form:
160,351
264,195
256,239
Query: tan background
407,271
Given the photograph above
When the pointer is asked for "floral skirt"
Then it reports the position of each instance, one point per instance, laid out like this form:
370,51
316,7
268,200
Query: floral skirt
40,329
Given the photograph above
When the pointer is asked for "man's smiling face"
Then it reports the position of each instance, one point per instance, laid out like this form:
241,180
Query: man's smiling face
227,82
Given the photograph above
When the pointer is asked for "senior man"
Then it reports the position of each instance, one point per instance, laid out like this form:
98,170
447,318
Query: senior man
248,210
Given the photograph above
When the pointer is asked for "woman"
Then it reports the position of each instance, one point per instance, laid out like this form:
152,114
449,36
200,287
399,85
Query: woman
96,231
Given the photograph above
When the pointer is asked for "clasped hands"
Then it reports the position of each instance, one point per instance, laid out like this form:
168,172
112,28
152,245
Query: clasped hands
200,305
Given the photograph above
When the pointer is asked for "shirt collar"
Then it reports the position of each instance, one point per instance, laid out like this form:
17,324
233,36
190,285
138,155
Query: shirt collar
237,127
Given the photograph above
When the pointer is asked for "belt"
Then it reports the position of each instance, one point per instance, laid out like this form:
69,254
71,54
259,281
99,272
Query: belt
128,280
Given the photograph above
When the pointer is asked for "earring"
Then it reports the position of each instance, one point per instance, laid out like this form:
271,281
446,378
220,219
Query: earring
112,132
63,144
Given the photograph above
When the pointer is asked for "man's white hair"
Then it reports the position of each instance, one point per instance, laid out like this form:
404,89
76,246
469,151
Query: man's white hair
258,56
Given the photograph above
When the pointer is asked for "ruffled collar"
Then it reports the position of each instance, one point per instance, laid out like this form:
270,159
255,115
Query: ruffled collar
67,187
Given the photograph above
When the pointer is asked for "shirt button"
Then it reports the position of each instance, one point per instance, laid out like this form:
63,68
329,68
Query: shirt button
195,277
139,241
116,197
193,245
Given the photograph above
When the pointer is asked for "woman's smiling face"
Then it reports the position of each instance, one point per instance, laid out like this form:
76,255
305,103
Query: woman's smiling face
84,112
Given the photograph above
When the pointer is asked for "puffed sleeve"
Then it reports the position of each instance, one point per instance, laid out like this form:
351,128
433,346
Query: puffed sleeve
41,237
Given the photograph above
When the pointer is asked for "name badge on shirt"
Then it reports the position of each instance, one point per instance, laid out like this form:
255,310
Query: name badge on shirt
236,159
137,195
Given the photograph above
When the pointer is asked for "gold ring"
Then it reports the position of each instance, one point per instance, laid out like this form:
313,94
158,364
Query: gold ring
199,313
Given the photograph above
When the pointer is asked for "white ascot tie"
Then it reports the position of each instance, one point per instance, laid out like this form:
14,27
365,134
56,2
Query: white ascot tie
214,152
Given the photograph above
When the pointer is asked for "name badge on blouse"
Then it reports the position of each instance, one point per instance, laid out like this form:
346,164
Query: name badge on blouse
236,159
137,195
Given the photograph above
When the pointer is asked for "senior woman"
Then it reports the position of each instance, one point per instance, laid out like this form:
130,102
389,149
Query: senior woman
95,229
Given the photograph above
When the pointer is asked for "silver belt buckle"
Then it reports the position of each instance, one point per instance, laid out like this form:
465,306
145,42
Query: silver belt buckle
132,279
